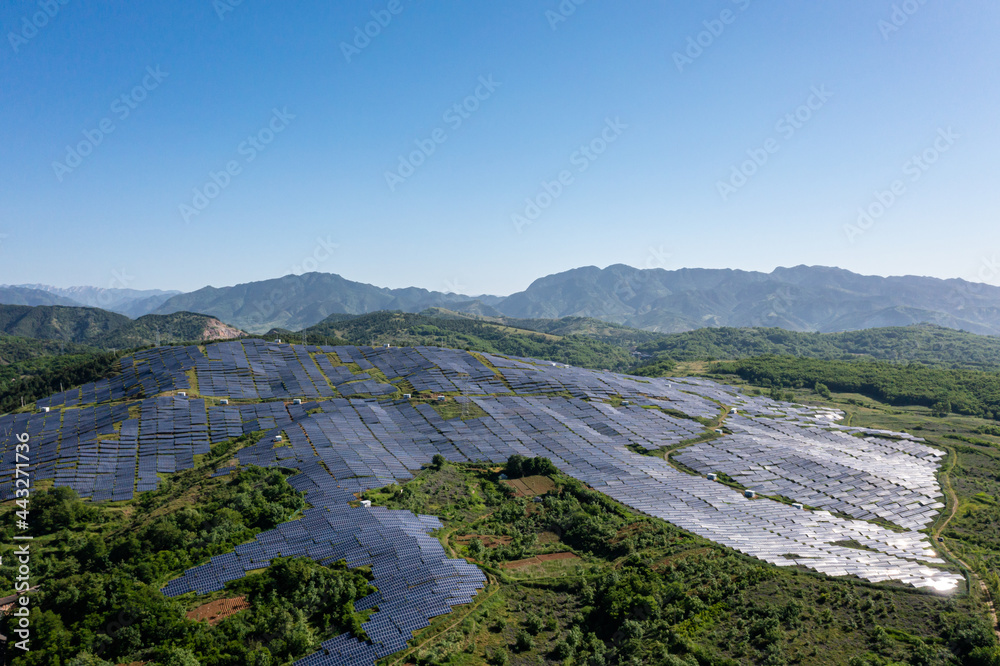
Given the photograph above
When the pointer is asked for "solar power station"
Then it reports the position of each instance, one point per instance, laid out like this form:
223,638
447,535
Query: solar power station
338,416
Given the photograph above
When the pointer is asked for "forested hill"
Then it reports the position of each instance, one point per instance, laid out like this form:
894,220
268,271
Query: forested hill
924,343
589,349
108,330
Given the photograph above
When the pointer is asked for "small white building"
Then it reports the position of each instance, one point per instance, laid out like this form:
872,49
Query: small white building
224,401
297,401
749,494
406,396
182,394
277,438
797,505
733,411
711,476
366,504
46,409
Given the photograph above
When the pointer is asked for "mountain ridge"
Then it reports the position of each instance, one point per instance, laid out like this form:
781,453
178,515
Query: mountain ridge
798,298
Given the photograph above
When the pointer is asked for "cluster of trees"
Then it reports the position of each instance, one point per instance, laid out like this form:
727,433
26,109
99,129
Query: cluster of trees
584,519
518,466
100,577
968,392
41,376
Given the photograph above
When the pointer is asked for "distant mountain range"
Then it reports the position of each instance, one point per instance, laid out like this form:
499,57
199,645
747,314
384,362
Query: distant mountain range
130,302
803,298
798,299
10,295
298,301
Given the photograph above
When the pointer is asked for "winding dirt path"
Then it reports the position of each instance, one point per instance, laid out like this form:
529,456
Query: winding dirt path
946,475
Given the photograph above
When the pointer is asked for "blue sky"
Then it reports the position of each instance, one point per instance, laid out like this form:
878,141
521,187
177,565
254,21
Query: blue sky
253,140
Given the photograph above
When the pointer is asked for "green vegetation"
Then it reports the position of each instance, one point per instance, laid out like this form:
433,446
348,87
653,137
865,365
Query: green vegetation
100,568
43,375
968,392
401,329
98,328
518,466
924,343
580,579
575,578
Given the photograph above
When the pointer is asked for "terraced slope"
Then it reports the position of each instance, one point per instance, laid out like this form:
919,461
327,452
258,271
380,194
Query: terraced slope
353,430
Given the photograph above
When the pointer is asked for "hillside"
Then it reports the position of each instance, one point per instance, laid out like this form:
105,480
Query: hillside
599,329
927,344
557,561
107,330
397,328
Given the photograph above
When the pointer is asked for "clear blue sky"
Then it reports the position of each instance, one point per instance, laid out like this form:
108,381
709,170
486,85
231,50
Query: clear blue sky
114,217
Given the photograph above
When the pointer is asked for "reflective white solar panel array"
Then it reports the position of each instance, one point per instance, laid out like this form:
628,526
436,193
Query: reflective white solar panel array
865,478
356,439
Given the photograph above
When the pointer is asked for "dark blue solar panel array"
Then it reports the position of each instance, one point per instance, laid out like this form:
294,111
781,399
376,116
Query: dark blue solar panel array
76,448
353,442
